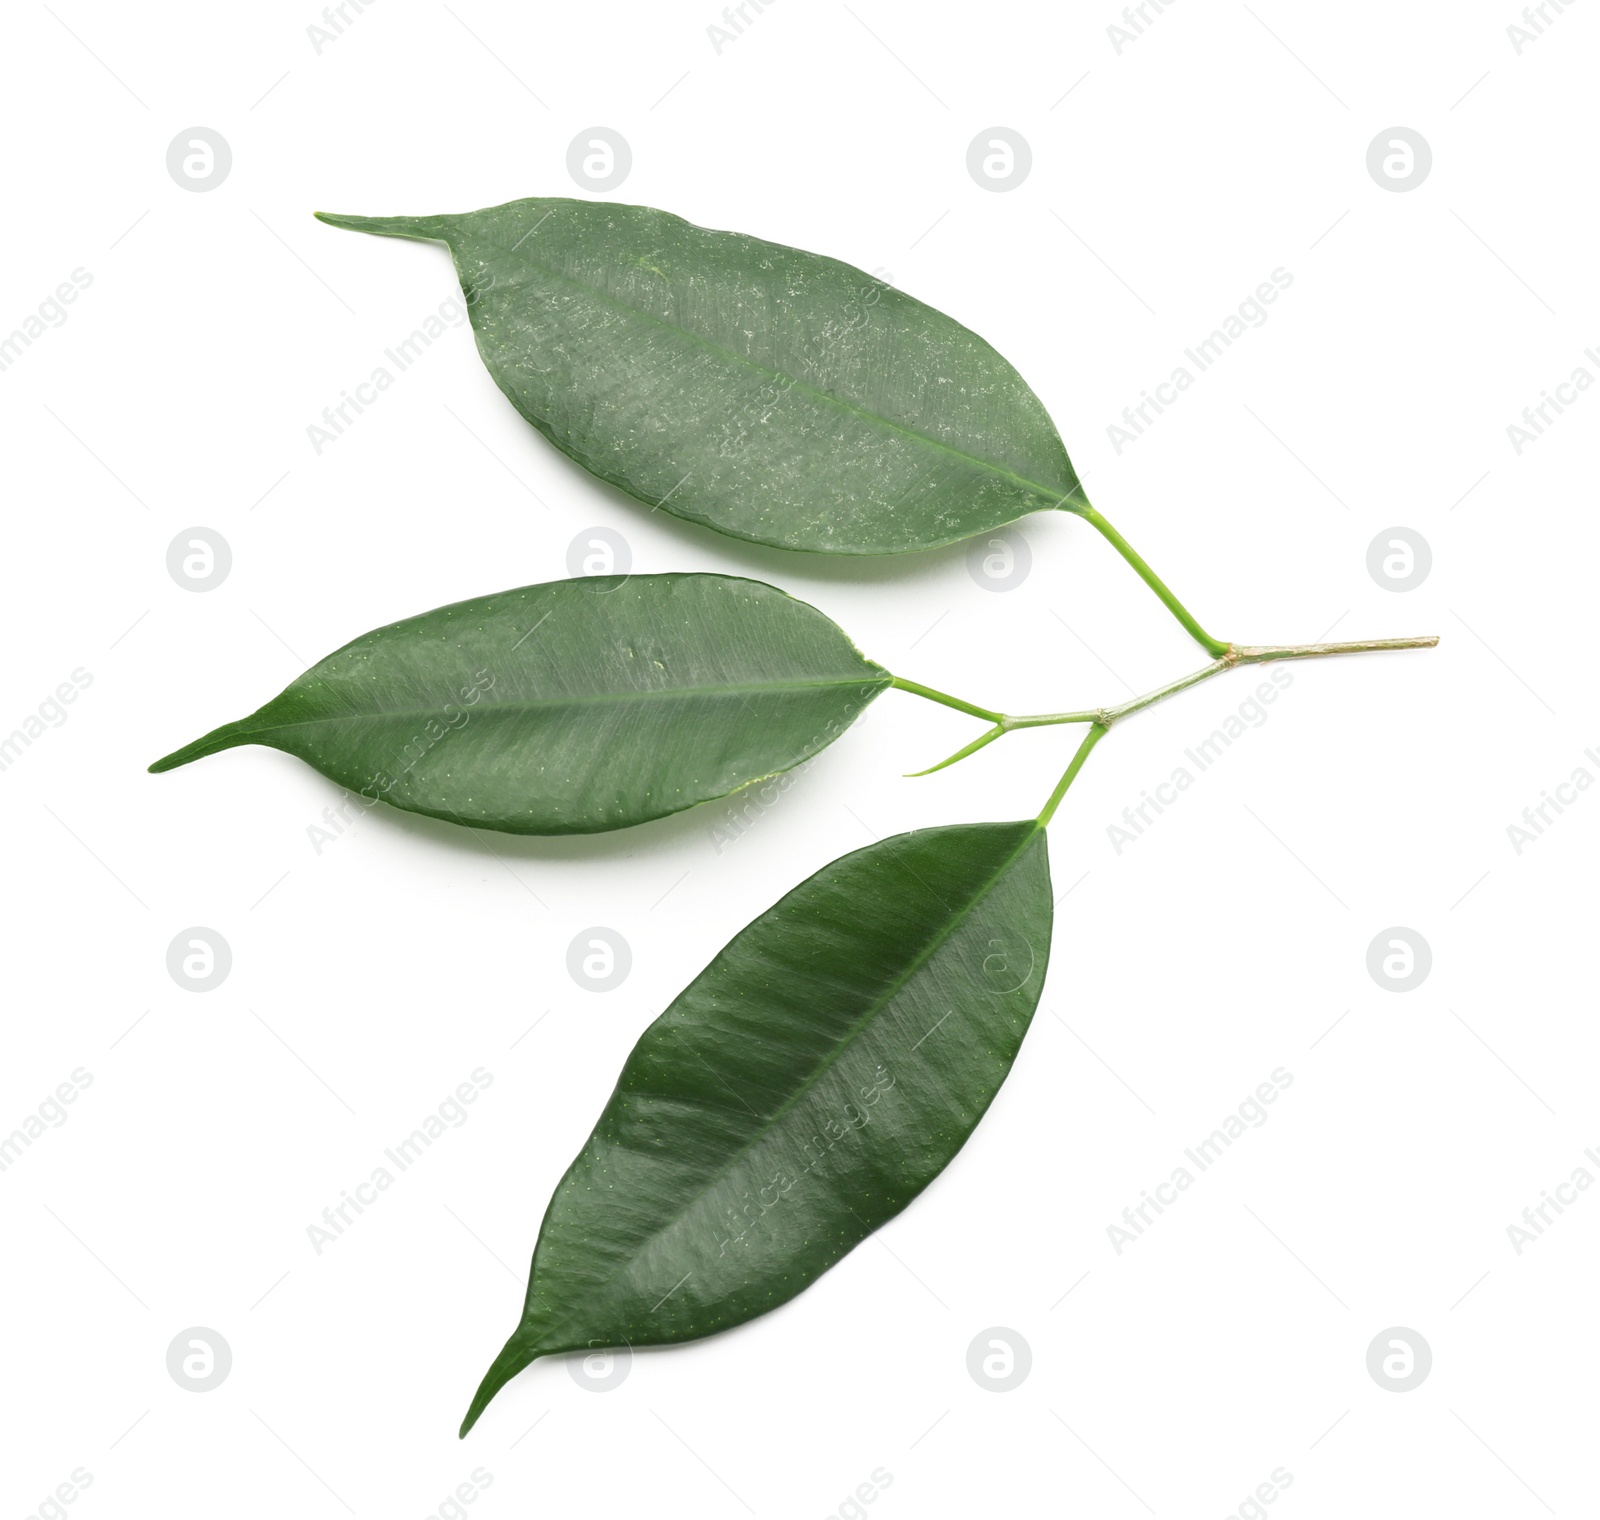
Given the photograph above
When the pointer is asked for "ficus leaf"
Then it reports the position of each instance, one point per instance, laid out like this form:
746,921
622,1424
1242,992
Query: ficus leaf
571,707
801,1091
769,393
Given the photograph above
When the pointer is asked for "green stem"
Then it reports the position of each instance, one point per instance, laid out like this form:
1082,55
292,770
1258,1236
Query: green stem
1213,647
1097,731
919,690
1260,654
1103,717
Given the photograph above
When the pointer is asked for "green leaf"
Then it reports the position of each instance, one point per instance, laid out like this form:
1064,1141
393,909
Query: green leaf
801,1091
771,394
574,706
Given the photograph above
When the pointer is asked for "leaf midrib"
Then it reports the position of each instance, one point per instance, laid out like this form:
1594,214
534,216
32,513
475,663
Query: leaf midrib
854,1033
886,423
598,698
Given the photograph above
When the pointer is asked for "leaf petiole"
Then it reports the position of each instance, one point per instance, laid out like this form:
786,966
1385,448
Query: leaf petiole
1097,731
1214,647
917,689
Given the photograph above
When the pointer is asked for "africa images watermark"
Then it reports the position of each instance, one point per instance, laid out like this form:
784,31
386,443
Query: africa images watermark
339,417
1251,713
353,1202
1268,1491
1537,19
53,1505
1538,1216
737,19
453,1505
452,718
50,312
758,798
339,817
868,1491
50,1114
52,711
336,19
1536,420
1250,312
1539,816
1136,20
1252,1113
851,1116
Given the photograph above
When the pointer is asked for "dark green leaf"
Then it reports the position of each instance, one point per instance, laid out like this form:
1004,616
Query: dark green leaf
766,392
803,1089
571,707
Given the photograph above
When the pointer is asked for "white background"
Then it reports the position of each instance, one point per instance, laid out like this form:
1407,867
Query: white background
1168,180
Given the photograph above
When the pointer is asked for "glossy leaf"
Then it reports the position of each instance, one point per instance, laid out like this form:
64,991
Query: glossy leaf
801,1091
769,393
571,707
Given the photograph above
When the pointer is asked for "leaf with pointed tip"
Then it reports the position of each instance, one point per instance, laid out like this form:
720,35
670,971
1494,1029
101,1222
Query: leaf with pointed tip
801,1091
769,393
574,706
